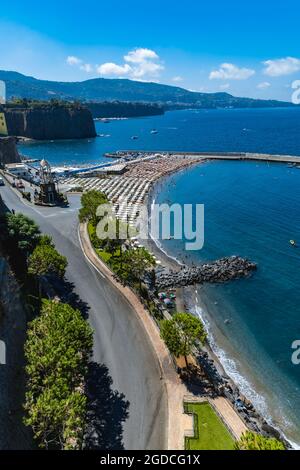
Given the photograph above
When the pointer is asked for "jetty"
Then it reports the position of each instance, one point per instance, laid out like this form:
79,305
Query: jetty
219,271
130,154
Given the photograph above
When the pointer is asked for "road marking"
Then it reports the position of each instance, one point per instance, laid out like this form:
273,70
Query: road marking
86,257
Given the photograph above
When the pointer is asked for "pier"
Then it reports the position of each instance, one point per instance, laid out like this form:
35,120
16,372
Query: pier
209,155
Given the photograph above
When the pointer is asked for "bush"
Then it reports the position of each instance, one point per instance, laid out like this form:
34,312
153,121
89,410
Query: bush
254,441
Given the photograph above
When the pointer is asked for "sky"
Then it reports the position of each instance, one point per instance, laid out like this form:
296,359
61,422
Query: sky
240,47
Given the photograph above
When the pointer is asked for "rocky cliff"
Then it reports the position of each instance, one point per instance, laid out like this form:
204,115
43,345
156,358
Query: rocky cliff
8,151
47,122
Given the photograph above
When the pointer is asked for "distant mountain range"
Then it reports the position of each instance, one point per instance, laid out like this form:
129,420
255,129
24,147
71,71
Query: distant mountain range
103,89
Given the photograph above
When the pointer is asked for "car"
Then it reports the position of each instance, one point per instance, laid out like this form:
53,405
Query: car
1,181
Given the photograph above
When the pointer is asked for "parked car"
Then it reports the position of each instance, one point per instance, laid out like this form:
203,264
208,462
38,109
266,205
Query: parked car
1,181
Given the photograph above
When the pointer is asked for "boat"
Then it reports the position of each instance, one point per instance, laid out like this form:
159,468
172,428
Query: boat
134,137
293,243
154,131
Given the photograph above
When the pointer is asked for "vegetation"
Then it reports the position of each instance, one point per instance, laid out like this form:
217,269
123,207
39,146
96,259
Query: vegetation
254,441
38,104
58,348
45,259
22,232
90,201
181,333
107,109
139,261
209,431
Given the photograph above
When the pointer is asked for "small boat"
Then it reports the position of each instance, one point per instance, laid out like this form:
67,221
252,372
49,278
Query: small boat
134,137
293,243
154,131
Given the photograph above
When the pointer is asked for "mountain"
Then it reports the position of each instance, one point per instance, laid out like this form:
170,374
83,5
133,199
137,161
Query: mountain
103,89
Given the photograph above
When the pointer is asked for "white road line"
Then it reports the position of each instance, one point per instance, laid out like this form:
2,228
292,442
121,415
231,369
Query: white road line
86,257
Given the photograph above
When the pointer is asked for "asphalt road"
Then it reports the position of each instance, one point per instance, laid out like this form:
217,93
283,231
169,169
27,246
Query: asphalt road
120,341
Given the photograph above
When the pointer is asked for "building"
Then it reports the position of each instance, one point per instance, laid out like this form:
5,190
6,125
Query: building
19,170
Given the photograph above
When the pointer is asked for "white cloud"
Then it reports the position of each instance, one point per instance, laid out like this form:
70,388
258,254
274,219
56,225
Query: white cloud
177,79
87,68
231,72
139,55
279,67
140,64
73,60
225,86
149,69
263,85
110,68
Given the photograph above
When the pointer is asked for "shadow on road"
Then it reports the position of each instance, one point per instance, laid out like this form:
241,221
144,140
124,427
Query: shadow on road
65,290
107,411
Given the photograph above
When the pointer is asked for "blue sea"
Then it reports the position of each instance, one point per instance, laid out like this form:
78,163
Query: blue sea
251,209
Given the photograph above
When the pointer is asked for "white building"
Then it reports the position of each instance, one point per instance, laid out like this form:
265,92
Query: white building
19,170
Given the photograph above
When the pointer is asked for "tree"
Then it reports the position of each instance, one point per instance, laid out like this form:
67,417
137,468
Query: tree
45,259
19,236
253,441
22,232
139,261
181,333
57,350
90,201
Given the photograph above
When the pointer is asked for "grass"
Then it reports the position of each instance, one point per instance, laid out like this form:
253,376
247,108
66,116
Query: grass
210,432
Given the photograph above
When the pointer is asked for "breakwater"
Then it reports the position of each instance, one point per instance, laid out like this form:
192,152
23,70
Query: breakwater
209,155
222,270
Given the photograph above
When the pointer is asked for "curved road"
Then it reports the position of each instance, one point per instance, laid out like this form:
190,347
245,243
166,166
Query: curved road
120,341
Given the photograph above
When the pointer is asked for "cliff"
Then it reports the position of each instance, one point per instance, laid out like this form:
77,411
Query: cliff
48,121
8,151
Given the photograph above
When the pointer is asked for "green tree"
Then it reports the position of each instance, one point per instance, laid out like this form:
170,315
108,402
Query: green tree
45,259
58,349
181,333
253,441
90,201
139,261
22,232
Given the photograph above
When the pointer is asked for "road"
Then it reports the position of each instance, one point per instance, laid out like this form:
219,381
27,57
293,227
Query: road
120,341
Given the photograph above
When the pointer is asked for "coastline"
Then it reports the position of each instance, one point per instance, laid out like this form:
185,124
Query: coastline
188,299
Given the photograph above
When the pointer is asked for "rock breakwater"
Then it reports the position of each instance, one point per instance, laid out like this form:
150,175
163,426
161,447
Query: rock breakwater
221,270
